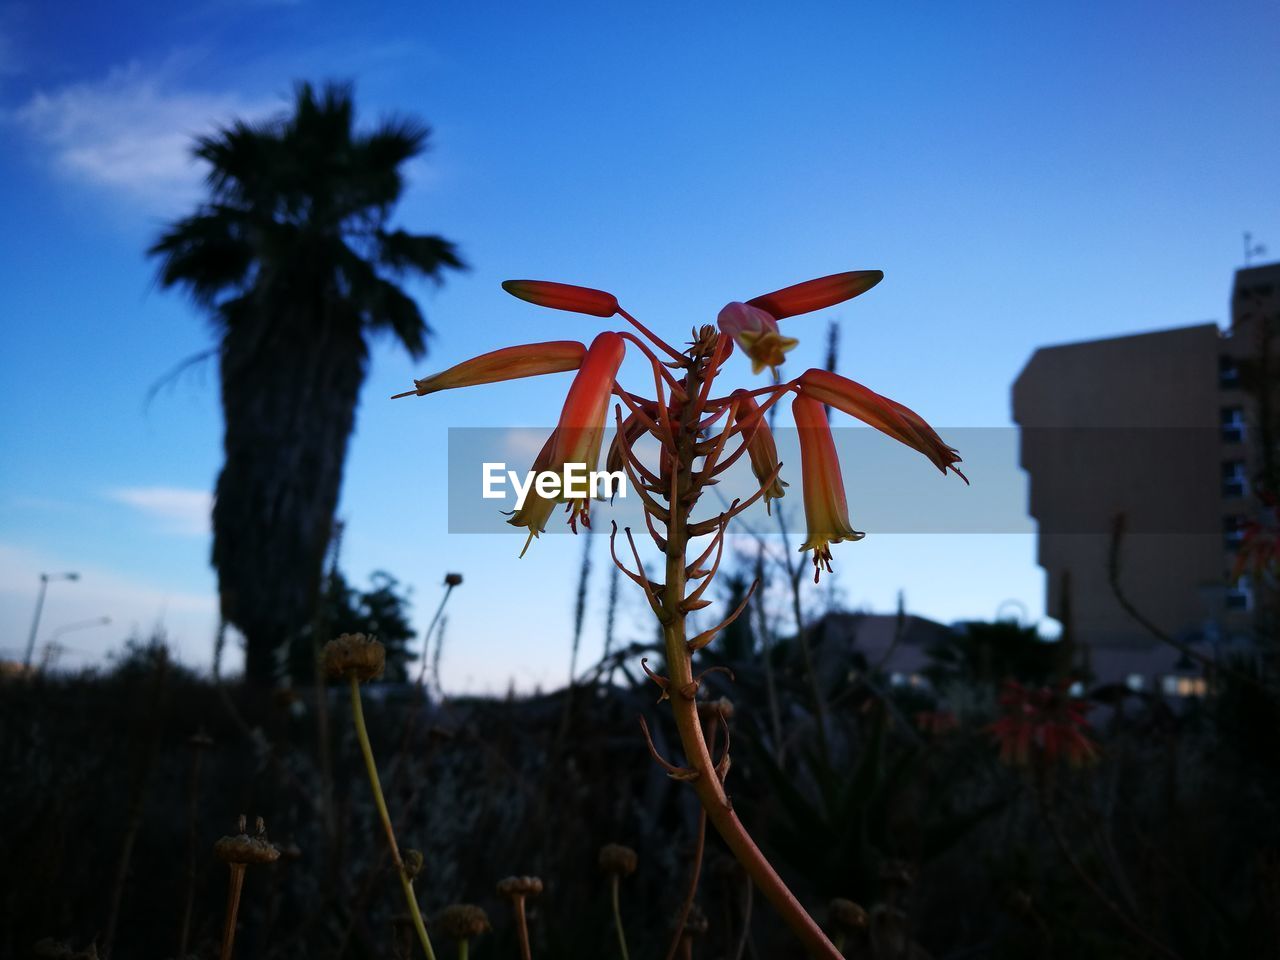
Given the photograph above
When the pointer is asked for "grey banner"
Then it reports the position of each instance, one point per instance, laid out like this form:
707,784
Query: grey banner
1055,480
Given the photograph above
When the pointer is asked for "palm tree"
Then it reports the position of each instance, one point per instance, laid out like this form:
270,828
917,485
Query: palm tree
293,257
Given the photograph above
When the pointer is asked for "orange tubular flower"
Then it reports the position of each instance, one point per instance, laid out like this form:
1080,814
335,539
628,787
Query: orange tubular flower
757,333
825,509
760,446
884,414
563,296
578,436
509,363
816,294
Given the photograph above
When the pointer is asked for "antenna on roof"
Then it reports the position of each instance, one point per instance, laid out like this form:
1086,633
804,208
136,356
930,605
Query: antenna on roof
1252,249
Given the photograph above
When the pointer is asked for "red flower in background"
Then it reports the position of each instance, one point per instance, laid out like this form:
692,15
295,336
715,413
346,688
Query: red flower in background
1041,724
1260,546
936,722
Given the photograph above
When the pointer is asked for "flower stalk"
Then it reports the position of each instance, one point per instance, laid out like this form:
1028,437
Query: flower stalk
700,436
406,882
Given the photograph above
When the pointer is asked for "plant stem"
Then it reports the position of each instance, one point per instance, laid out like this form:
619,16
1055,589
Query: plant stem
357,712
189,897
617,920
522,928
682,688
233,908
463,949
683,917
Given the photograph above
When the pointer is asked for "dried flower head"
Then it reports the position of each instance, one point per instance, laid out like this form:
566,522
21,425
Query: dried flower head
243,848
412,863
353,655
847,915
453,579
711,710
462,921
519,886
617,860
695,925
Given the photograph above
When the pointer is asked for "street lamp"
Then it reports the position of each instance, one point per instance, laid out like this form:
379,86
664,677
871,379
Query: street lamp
78,625
35,621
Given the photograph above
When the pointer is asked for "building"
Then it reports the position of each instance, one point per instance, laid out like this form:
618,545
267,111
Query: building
1159,429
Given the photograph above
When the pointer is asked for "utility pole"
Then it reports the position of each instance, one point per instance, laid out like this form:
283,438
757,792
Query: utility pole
35,621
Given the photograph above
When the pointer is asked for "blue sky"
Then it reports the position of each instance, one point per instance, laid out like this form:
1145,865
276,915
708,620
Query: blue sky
1023,173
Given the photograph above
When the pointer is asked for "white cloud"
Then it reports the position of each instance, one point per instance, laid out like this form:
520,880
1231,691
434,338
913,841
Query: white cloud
178,509
131,132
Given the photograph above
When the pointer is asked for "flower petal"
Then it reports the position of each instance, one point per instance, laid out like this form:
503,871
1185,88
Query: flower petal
509,363
817,294
563,296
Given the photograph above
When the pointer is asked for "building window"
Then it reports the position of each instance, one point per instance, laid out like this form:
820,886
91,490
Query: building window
1232,420
1173,685
1239,595
1135,682
1228,373
1232,532
1233,482
1192,686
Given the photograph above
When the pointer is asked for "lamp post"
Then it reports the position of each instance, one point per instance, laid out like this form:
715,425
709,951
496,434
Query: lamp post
35,621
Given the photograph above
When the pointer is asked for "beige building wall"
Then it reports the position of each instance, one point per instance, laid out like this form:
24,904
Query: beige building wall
1155,427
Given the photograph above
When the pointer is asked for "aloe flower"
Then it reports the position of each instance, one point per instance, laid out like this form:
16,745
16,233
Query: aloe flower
577,437
757,333
887,416
1041,725
825,511
674,443
760,446
563,296
816,294
509,363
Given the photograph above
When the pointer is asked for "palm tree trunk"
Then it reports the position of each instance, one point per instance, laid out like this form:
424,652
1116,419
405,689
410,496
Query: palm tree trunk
289,407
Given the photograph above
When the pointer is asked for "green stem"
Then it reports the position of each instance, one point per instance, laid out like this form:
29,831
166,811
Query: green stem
362,734
617,921
463,949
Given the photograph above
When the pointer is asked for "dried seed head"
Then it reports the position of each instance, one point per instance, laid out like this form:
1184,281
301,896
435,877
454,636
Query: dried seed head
243,848
617,860
710,710
695,925
462,921
453,579
519,887
847,915
412,863
353,655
